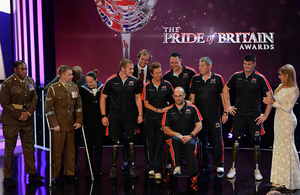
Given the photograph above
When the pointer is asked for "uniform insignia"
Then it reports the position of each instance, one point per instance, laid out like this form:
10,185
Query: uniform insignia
188,111
253,80
74,94
131,83
185,75
31,88
213,81
48,99
217,125
164,88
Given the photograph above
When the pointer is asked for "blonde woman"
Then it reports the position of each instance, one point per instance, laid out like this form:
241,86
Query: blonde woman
285,171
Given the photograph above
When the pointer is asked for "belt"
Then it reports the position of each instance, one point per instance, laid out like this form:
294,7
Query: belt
20,106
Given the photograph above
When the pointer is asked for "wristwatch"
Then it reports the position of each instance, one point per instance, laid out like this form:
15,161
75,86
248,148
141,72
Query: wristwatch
103,115
192,135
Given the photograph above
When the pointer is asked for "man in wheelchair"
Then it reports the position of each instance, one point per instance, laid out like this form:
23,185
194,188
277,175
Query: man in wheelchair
181,123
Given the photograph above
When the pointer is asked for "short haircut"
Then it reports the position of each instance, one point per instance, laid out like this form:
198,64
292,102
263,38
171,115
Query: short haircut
77,69
144,52
207,60
154,65
179,88
175,54
124,62
250,57
62,69
16,64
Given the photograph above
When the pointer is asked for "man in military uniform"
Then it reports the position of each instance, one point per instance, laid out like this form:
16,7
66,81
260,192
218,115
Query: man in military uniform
64,110
18,99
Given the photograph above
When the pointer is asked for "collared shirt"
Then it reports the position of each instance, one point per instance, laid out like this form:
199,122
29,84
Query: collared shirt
121,96
157,97
183,79
183,120
207,94
249,90
145,73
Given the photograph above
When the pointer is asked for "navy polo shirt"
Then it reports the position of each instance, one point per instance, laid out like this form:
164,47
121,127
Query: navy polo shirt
157,97
121,96
183,120
183,80
207,94
249,91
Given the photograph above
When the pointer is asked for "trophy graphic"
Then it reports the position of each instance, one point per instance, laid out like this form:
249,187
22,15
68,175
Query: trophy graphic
125,17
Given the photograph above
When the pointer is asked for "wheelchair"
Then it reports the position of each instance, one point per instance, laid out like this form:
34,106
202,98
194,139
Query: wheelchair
167,170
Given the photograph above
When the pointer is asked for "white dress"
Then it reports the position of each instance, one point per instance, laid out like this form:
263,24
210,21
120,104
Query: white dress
285,161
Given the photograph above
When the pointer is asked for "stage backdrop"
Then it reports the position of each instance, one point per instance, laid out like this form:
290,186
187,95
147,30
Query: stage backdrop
224,30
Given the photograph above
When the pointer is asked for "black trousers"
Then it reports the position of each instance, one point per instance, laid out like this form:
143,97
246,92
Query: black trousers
94,133
176,148
214,126
155,137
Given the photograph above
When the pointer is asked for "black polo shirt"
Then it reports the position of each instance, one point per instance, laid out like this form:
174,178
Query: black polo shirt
183,80
157,97
207,94
121,96
182,121
249,91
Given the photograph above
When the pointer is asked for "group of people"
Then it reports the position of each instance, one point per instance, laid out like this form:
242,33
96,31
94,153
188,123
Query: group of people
177,109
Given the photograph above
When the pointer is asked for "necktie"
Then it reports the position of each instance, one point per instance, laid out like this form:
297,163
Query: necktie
142,77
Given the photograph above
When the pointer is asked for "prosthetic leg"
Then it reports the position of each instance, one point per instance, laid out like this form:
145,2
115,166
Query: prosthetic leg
231,174
133,170
256,142
114,156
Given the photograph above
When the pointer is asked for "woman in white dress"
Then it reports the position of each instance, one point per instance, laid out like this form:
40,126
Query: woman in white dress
285,171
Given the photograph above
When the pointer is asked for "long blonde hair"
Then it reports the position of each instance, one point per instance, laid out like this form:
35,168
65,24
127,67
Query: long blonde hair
289,70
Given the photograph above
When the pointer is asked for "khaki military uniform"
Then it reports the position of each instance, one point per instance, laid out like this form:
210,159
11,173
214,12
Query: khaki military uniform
63,108
18,96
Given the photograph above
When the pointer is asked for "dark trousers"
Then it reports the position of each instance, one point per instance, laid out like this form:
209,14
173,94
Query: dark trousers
190,149
138,136
77,139
94,133
155,137
214,126
10,134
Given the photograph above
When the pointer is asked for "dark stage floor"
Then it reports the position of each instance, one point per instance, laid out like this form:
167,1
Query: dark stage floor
208,183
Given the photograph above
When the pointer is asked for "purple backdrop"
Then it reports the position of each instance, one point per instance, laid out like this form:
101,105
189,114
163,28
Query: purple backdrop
81,37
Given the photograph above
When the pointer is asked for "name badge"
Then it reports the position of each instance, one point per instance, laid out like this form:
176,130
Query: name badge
74,94
31,88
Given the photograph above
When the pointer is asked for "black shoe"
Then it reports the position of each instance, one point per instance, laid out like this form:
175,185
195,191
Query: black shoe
9,182
113,173
133,172
125,165
55,181
35,177
71,178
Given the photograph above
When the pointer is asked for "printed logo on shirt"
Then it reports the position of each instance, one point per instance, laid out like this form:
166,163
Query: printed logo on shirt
218,125
131,83
74,94
185,75
164,88
188,111
116,83
31,88
213,81
257,133
173,112
240,79
253,80
152,90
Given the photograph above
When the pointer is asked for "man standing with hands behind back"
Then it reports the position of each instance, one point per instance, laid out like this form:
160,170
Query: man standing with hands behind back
18,99
64,110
